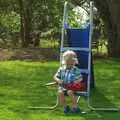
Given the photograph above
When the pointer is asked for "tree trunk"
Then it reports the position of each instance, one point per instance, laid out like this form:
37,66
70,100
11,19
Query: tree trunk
22,22
110,12
26,26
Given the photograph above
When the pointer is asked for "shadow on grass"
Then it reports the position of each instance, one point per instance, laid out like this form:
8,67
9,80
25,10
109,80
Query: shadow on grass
98,100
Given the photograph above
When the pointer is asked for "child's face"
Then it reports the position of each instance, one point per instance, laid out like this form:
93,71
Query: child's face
70,63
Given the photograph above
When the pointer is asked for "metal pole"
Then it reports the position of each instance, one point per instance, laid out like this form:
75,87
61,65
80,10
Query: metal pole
89,56
63,30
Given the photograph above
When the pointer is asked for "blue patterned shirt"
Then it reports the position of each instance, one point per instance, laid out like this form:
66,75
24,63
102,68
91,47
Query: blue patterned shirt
69,75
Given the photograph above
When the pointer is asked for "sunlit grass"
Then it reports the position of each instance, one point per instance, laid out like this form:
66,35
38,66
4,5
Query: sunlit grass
49,43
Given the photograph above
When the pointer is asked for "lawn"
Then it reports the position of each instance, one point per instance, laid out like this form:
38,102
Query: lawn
21,86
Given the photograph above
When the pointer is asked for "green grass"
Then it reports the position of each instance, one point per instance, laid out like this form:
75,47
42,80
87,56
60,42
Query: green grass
21,85
49,43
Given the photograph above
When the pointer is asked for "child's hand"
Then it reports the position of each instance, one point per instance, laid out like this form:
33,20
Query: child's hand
79,80
60,82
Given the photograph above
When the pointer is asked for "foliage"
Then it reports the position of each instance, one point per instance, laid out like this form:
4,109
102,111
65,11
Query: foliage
29,16
35,15
44,15
47,14
78,17
109,12
11,21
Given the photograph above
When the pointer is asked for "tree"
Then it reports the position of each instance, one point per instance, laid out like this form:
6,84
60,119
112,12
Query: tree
21,8
109,11
26,18
34,15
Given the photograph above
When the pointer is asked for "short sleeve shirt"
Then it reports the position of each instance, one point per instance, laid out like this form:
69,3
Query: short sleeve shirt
69,75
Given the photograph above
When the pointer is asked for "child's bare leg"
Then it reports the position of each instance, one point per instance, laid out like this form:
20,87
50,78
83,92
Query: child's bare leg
73,98
62,98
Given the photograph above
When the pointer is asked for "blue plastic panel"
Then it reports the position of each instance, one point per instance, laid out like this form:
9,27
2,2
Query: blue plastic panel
78,37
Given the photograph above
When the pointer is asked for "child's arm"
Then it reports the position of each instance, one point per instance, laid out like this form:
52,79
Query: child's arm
57,77
79,80
57,80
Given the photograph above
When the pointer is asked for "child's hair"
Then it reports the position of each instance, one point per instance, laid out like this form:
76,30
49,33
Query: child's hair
69,55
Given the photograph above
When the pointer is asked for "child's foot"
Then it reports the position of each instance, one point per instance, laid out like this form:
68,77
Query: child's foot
76,110
66,109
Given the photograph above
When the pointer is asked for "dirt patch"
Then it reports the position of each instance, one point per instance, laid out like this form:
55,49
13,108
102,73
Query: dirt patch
29,54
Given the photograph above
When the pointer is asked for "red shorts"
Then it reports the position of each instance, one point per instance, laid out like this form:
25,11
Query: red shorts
76,86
